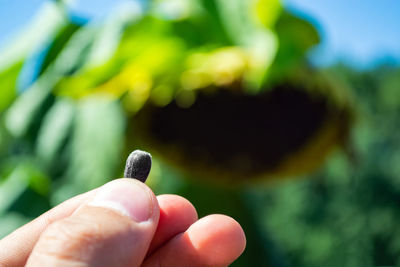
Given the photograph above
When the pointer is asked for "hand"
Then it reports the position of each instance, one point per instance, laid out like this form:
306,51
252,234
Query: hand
124,224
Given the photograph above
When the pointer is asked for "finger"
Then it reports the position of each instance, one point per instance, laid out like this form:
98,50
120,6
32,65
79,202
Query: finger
113,229
176,215
215,240
16,247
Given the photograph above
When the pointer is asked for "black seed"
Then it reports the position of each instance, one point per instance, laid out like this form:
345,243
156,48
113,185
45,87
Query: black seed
138,165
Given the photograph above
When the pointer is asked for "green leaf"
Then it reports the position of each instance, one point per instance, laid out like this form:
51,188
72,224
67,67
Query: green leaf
259,41
55,130
24,189
59,42
295,36
214,22
96,145
267,11
20,115
109,36
71,56
25,177
39,182
12,187
146,49
8,85
74,54
235,17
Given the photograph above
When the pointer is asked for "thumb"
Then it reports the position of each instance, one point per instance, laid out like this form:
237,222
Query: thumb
115,228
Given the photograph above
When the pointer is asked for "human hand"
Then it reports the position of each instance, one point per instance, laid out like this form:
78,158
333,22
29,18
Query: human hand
124,224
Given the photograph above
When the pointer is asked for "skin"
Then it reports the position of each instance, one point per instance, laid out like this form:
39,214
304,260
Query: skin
167,233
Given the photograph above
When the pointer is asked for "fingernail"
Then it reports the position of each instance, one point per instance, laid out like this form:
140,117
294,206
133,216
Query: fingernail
129,198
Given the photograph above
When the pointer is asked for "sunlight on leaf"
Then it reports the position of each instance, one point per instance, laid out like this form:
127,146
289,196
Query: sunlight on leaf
8,85
54,130
20,115
267,11
12,187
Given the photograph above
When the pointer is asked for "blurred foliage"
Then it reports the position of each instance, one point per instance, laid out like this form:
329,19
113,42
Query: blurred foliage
73,92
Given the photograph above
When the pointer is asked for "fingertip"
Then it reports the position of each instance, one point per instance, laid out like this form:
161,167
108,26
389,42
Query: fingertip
177,214
215,240
218,239
174,206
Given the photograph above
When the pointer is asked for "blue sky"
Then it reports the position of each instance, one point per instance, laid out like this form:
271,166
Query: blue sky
360,32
